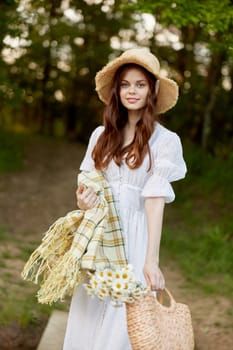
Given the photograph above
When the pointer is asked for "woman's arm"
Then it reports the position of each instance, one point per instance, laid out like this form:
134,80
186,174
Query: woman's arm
154,207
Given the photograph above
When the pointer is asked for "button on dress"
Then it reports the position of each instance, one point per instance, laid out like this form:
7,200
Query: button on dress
98,325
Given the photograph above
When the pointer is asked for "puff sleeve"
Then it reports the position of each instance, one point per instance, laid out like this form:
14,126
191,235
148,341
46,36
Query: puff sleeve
168,166
87,163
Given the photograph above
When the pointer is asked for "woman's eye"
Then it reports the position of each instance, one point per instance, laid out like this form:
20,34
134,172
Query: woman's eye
124,85
140,85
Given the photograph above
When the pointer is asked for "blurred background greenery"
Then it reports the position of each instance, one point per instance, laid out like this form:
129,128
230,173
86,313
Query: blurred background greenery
50,53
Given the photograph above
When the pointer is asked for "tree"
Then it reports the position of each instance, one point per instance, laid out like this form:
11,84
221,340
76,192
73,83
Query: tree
52,50
9,92
67,43
206,48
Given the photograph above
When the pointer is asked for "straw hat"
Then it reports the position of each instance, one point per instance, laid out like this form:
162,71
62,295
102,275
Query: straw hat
167,91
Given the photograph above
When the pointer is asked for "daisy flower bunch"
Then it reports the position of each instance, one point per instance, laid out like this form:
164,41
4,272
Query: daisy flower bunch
118,284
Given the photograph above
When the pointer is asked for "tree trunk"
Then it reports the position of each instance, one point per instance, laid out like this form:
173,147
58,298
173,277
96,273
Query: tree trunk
206,128
212,82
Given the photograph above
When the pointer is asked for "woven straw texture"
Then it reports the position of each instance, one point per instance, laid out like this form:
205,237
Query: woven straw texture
168,89
152,326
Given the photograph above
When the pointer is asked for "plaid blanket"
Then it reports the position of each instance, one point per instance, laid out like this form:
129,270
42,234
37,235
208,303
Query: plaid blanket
81,241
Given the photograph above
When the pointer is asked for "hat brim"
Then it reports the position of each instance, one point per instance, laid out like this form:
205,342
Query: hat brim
168,89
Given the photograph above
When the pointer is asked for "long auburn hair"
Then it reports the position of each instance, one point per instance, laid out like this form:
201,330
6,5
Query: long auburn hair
110,143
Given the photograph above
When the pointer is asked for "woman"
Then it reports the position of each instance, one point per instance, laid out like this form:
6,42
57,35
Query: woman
139,158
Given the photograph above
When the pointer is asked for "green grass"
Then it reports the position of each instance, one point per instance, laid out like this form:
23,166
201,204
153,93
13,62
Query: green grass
205,259
20,309
2,264
11,152
25,251
3,234
6,255
198,226
207,174
18,302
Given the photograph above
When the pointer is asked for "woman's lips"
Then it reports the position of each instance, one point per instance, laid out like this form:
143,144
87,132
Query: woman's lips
132,100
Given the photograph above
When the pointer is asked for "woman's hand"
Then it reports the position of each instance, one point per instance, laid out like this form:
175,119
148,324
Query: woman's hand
153,275
86,197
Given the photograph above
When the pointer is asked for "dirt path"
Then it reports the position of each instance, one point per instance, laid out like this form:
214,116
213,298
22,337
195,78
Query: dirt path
33,198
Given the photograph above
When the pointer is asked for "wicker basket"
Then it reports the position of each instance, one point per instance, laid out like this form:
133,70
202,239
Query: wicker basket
152,326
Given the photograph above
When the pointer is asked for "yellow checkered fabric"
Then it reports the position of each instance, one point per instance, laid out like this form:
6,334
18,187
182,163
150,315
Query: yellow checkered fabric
79,242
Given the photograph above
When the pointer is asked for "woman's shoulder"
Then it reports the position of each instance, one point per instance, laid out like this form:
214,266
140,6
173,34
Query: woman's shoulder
98,130
96,133
163,134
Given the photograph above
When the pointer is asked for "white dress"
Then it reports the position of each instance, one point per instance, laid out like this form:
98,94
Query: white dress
94,324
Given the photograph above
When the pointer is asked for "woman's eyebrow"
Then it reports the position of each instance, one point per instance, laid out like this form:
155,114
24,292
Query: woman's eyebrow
137,81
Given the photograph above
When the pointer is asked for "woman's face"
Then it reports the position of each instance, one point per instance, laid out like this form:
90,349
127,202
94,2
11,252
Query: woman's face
134,89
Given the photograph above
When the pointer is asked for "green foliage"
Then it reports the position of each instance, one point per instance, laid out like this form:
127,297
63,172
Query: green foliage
205,50
208,173
63,47
206,258
11,152
209,15
16,308
18,302
3,234
51,51
2,264
26,251
198,234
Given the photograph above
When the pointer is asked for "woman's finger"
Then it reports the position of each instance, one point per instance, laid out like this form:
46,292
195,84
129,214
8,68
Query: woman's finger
80,189
147,280
92,201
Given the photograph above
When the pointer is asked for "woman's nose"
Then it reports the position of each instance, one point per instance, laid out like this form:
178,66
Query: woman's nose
131,89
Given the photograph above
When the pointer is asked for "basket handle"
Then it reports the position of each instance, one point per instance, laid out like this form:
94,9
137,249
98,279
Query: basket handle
160,298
